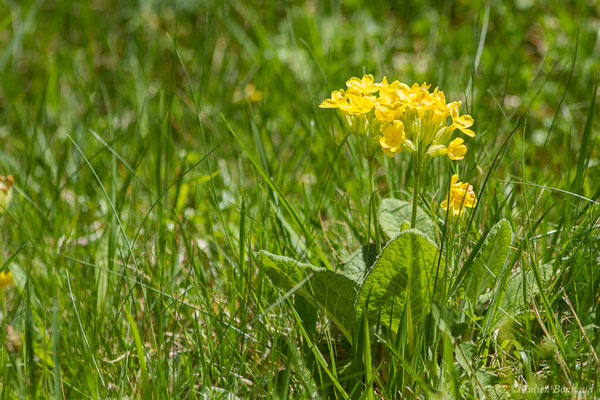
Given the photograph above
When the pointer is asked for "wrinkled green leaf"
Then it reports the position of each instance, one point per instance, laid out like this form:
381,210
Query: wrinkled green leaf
447,320
360,262
513,295
394,216
333,293
490,260
404,274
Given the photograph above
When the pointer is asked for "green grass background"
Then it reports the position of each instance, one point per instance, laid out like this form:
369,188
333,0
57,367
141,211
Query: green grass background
137,214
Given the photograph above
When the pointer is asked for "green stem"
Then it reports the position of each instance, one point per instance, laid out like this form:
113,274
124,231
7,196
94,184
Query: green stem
373,203
417,174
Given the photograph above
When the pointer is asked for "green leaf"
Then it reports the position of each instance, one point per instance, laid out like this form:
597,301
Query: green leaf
404,274
394,216
448,320
490,260
513,295
464,354
360,262
333,293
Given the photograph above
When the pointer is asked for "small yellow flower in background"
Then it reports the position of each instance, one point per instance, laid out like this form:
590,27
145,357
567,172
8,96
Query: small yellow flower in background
250,93
393,137
6,279
5,192
456,149
461,195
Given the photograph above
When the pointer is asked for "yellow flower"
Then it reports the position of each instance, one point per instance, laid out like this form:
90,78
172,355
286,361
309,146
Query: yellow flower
5,193
366,85
456,149
357,102
249,93
390,105
462,122
461,195
337,97
6,279
252,94
353,101
393,137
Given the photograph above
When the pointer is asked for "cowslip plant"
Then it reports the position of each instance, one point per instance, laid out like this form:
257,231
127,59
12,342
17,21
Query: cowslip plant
397,290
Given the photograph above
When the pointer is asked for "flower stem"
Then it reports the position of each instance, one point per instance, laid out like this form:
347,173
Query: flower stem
373,202
417,175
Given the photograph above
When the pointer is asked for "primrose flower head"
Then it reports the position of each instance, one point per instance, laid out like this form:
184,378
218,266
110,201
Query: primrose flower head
379,110
6,279
429,121
5,191
461,195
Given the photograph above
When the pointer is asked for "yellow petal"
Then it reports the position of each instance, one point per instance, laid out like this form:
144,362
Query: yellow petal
444,205
454,180
468,132
466,120
383,143
387,152
368,78
328,103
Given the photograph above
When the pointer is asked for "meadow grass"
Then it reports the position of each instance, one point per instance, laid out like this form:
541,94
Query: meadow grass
148,175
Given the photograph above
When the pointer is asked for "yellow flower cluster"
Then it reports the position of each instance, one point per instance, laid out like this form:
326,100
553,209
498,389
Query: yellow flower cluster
461,195
403,117
5,193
